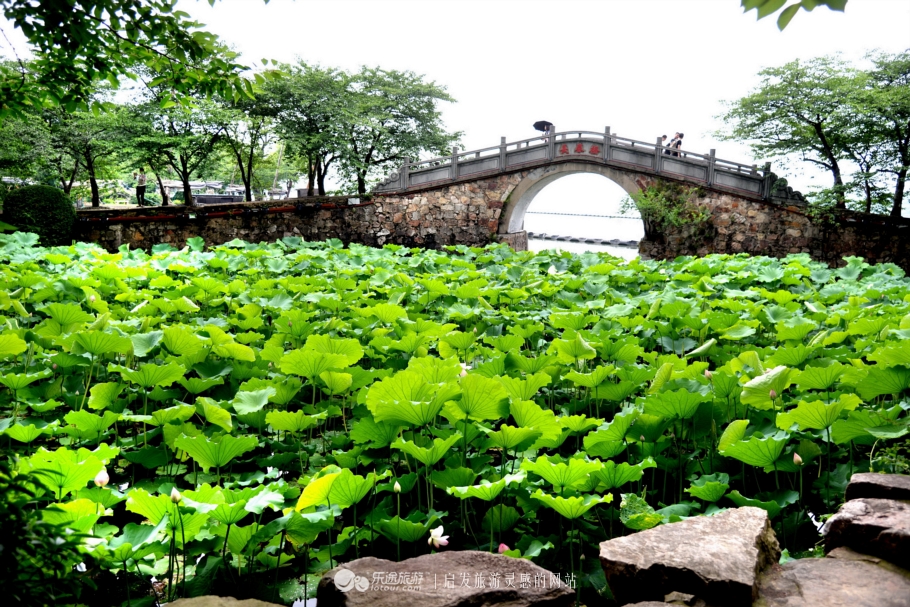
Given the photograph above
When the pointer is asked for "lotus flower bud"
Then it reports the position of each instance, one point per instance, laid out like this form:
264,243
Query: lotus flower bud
92,299
102,478
708,374
582,557
175,495
54,366
641,438
396,487
772,394
503,548
290,323
797,459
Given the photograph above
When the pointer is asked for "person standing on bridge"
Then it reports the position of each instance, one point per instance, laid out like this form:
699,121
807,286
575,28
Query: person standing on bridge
663,142
677,143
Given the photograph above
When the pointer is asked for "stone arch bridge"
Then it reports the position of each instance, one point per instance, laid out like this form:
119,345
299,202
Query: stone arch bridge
496,185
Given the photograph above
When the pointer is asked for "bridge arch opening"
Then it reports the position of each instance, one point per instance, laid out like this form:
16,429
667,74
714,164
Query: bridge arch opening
581,201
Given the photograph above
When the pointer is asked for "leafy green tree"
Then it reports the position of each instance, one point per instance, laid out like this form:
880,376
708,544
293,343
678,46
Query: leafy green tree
248,127
394,116
833,115
764,8
313,106
79,42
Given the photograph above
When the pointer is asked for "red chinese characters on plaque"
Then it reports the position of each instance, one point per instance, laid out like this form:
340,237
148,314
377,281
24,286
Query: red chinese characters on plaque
563,149
594,150
579,148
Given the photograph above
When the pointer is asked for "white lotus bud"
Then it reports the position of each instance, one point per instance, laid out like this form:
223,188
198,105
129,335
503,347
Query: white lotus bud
397,487
797,459
175,495
102,478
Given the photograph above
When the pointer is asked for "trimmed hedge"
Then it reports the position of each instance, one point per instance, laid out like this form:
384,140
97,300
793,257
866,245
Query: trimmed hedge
42,210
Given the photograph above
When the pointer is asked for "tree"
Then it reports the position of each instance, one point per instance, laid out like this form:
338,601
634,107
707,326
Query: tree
79,42
248,127
834,116
394,117
765,8
313,106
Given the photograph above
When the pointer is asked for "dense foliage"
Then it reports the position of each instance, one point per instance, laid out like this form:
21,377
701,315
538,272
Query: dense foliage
253,414
43,210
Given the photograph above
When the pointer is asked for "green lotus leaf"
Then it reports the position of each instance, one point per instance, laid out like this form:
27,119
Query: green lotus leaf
349,488
214,413
215,452
407,399
379,434
529,366
400,528
427,456
349,351
26,433
561,475
757,391
817,414
129,544
89,424
570,351
151,375
104,395
486,490
636,514
181,342
79,514
512,438
250,402
265,499
453,477
614,475
197,385
229,514
680,404
235,351
435,370
386,313
892,355
335,382
458,340
579,423
710,487
98,343
613,431
571,507
177,413
65,360
317,492
524,389
149,458
18,381
820,378
11,345
724,384
773,506
758,451
734,432
892,380
298,421
529,414
68,316
310,363
143,343
500,518
616,393
483,398
60,473
304,528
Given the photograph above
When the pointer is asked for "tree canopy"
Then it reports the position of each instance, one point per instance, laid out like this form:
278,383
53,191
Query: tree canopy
79,42
765,8
854,123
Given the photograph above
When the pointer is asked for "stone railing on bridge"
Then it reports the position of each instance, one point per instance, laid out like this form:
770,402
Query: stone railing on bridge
573,146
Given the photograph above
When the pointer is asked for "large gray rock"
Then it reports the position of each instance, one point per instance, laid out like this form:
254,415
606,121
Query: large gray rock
219,601
878,527
833,582
444,579
884,486
716,558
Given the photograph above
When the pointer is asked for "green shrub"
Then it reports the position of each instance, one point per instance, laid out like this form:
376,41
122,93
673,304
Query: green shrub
37,559
43,210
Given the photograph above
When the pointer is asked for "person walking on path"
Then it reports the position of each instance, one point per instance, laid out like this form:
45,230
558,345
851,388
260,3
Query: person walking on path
140,187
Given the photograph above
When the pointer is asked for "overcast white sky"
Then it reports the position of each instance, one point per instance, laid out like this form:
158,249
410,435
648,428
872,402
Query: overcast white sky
643,67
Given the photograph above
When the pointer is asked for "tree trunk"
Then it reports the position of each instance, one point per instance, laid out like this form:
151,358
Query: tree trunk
164,201
185,178
320,176
361,184
897,210
93,182
828,152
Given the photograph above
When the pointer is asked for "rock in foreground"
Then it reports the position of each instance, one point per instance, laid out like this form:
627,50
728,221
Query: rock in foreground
219,601
445,579
834,582
879,527
882,486
716,558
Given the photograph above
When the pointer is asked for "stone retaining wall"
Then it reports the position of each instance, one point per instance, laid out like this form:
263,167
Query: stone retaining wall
778,228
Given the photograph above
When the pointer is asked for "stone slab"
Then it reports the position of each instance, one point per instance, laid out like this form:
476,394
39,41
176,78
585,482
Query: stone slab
883,486
716,558
367,582
833,582
878,527
219,601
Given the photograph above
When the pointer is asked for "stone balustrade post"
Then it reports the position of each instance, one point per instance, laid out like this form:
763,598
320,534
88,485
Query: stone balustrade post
658,148
404,173
454,170
712,162
607,141
502,154
551,143
766,182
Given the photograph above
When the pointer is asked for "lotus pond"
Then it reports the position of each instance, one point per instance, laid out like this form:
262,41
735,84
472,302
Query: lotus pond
251,415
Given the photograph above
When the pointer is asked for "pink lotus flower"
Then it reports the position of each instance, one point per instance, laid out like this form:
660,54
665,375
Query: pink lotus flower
437,539
503,549
797,459
708,374
102,478
772,394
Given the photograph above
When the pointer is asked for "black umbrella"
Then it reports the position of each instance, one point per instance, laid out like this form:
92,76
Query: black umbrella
542,125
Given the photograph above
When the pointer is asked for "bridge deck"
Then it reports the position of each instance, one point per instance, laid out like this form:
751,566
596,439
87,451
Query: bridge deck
574,146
